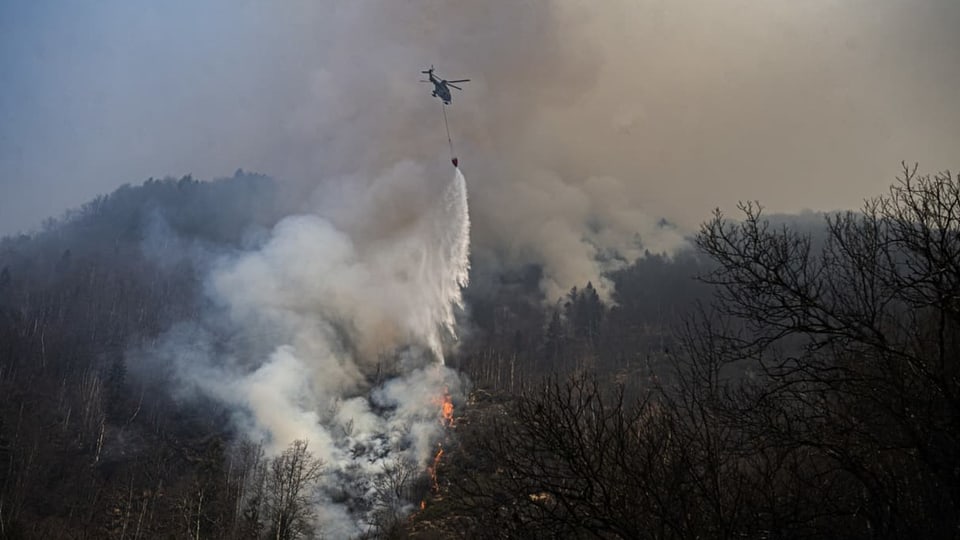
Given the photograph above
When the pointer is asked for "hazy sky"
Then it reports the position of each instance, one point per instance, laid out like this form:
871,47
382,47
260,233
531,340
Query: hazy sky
663,107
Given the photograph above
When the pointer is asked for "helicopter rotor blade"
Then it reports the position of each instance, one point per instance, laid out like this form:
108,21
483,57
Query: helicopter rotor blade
460,80
453,86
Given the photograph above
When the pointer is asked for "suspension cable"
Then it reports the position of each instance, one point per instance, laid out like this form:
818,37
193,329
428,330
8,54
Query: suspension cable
447,125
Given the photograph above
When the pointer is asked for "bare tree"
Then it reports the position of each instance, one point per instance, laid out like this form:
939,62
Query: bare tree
570,460
289,496
396,490
854,345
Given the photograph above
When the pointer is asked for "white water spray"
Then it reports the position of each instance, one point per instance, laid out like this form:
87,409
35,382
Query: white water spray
449,263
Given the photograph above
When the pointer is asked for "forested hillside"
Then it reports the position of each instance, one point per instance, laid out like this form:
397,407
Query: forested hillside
772,381
87,450
815,395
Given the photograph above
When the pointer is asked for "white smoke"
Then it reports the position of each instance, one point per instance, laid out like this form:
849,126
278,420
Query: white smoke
334,330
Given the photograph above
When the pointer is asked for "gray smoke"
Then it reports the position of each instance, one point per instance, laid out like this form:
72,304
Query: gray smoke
329,333
587,123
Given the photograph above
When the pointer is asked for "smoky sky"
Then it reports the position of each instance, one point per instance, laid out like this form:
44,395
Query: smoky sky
579,113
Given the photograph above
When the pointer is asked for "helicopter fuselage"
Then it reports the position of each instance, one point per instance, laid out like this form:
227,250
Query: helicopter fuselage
441,91
441,87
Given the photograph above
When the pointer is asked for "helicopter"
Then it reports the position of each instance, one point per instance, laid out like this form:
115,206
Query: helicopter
441,87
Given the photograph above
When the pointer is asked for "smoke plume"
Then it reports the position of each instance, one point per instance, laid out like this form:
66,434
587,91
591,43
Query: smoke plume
333,331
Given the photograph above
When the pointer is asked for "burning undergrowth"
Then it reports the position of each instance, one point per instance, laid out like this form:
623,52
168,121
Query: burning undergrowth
332,331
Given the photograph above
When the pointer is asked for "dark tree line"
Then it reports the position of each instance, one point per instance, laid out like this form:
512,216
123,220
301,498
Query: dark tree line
817,396
518,339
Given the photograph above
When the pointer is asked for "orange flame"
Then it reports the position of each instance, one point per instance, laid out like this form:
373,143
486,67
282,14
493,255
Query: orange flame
445,402
446,408
432,469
